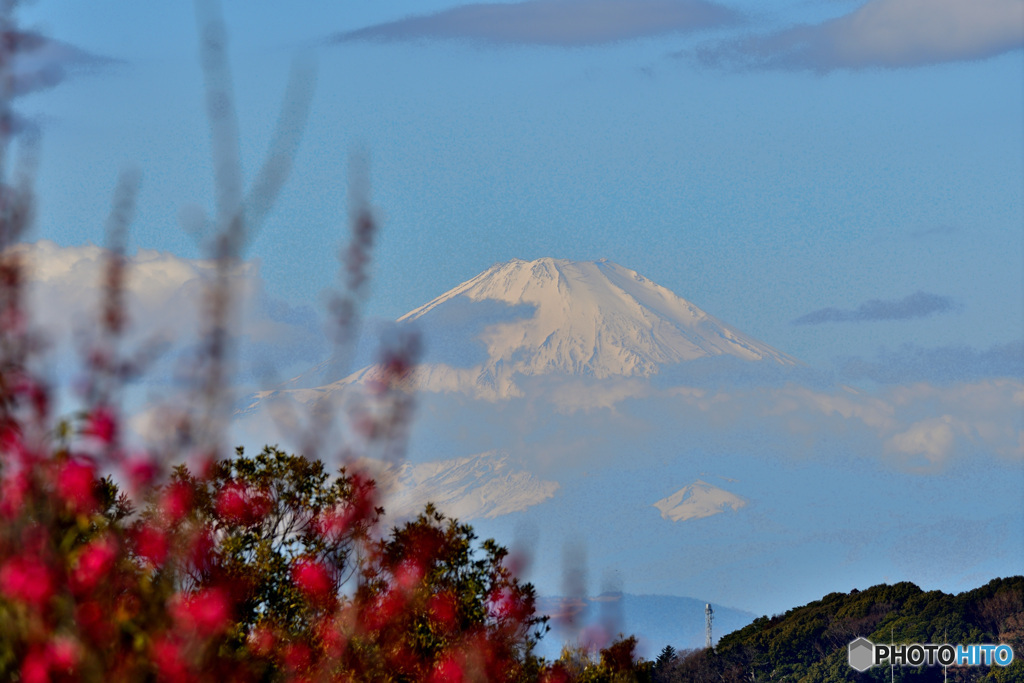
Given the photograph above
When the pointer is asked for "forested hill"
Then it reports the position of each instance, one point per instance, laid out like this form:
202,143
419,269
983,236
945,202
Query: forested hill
809,643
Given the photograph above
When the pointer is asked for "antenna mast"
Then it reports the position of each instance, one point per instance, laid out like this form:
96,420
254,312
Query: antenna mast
709,615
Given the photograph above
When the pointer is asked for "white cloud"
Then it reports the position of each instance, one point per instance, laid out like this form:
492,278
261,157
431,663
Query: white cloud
848,404
164,300
888,34
910,426
920,427
932,438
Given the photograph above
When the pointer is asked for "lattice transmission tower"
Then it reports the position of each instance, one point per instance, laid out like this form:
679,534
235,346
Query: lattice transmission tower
709,615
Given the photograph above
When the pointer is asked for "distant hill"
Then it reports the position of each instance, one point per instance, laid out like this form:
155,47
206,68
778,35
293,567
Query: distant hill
656,620
809,643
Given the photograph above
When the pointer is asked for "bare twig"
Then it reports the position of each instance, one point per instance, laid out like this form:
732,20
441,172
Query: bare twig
236,219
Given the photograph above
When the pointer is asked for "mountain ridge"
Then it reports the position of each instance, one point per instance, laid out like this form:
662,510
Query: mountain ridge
809,642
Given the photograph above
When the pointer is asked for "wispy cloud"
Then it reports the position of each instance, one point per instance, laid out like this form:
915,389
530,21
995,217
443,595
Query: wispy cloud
945,364
886,34
917,305
554,22
919,427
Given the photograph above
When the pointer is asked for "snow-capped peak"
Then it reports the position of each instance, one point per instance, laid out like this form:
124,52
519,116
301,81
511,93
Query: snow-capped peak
587,318
696,501
487,484
554,317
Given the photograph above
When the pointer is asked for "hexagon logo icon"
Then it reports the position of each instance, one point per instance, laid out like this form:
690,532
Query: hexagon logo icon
862,654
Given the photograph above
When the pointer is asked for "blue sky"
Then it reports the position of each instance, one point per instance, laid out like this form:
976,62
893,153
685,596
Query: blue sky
762,189
842,180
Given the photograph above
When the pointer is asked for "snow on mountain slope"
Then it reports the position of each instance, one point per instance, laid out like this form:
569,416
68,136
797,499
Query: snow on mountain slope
592,318
696,501
546,317
479,486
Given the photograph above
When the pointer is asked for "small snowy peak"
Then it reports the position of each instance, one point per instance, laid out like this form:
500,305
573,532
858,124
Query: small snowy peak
696,501
486,485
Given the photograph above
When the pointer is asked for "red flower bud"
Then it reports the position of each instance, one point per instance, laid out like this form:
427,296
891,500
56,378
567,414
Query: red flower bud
151,544
94,562
141,472
175,502
76,482
447,670
12,494
35,668
27,579
238,504
64,654
102,424
232,505
313,579
206,613
408,573
169,660
382,610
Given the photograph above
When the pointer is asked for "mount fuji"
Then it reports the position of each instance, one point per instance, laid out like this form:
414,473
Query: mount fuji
553,317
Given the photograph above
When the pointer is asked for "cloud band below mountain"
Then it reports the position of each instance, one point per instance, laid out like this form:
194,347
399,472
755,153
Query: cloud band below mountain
554,22
917,305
